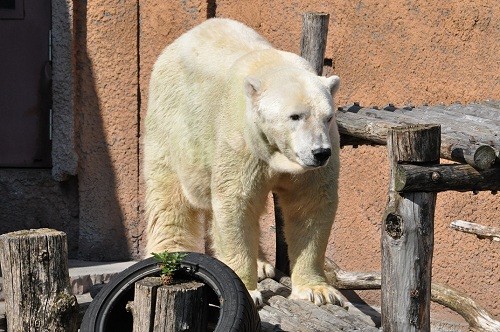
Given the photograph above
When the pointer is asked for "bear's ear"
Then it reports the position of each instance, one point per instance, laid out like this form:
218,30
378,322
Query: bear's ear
332,83
252,86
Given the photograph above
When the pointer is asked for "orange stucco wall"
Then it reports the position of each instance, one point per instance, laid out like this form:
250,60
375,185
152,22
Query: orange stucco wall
400,52
107,132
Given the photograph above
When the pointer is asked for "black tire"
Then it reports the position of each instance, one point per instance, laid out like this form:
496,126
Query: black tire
229,298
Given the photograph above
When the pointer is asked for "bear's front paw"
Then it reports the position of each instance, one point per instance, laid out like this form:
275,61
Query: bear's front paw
264,270
256,297
318,294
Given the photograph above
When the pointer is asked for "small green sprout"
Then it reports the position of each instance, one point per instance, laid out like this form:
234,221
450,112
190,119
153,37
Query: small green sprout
169,262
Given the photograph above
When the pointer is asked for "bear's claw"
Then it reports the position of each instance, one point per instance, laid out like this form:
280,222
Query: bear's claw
256,297
264,270
318,294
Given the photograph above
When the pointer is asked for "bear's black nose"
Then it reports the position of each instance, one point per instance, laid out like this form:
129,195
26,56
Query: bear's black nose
322,155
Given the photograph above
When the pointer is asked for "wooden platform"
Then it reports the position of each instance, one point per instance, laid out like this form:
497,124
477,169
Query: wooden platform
464,128
282,314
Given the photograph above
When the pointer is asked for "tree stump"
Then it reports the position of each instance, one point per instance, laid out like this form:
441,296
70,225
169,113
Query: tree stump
169,308
408,234
36,281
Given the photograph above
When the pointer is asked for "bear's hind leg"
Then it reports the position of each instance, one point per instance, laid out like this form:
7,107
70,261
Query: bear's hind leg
173,223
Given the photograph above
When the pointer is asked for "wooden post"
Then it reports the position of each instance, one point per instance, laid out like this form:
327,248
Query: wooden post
312,48
313,40
171,308
36,280
143,307
282,260
408,234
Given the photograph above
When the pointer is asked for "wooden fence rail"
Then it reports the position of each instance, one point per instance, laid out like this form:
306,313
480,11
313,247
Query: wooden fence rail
466,138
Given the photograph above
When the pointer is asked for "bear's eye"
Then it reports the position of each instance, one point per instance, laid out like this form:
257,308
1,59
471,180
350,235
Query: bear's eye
295,117
329,119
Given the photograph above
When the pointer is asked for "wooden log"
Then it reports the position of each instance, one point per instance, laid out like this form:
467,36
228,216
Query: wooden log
454,146
312,48
479,156
478,318
341,279
352,124
354,141
181,307
453,119
482,232
144,305
36,281
486,109
437,178
452,122
282,260
313,39
408,234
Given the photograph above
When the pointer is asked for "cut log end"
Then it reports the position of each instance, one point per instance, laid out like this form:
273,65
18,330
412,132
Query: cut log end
30,233
484,157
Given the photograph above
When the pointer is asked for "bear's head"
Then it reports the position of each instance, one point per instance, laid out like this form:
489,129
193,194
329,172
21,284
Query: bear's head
292,111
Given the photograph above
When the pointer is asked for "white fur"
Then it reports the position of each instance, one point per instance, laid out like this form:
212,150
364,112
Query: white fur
229,119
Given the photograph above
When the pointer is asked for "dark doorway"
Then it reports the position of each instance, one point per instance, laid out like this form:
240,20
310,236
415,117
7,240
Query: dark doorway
25,83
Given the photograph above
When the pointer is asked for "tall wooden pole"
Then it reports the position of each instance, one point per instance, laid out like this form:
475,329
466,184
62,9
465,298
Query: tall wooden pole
312,48
408,234
313,40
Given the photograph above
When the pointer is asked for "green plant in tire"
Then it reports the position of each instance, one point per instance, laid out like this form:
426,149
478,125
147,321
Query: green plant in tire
169,262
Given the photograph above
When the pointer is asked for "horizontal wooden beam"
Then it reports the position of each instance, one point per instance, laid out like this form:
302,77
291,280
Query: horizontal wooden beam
454,146
482,232
436,178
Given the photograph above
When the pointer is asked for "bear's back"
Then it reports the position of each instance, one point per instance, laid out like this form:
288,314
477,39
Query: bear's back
212,47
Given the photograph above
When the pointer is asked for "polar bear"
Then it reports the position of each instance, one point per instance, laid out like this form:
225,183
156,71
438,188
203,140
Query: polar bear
230,119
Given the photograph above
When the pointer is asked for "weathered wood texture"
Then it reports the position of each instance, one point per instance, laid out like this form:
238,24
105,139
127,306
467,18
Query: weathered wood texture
282,260
436,178
469,132
313,39
408,235
312,48
341,279
280,313
482,232
36,281
171,308
143,307
479,319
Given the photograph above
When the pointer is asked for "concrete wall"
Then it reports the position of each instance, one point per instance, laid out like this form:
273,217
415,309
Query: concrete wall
30,198
107,120
400,52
